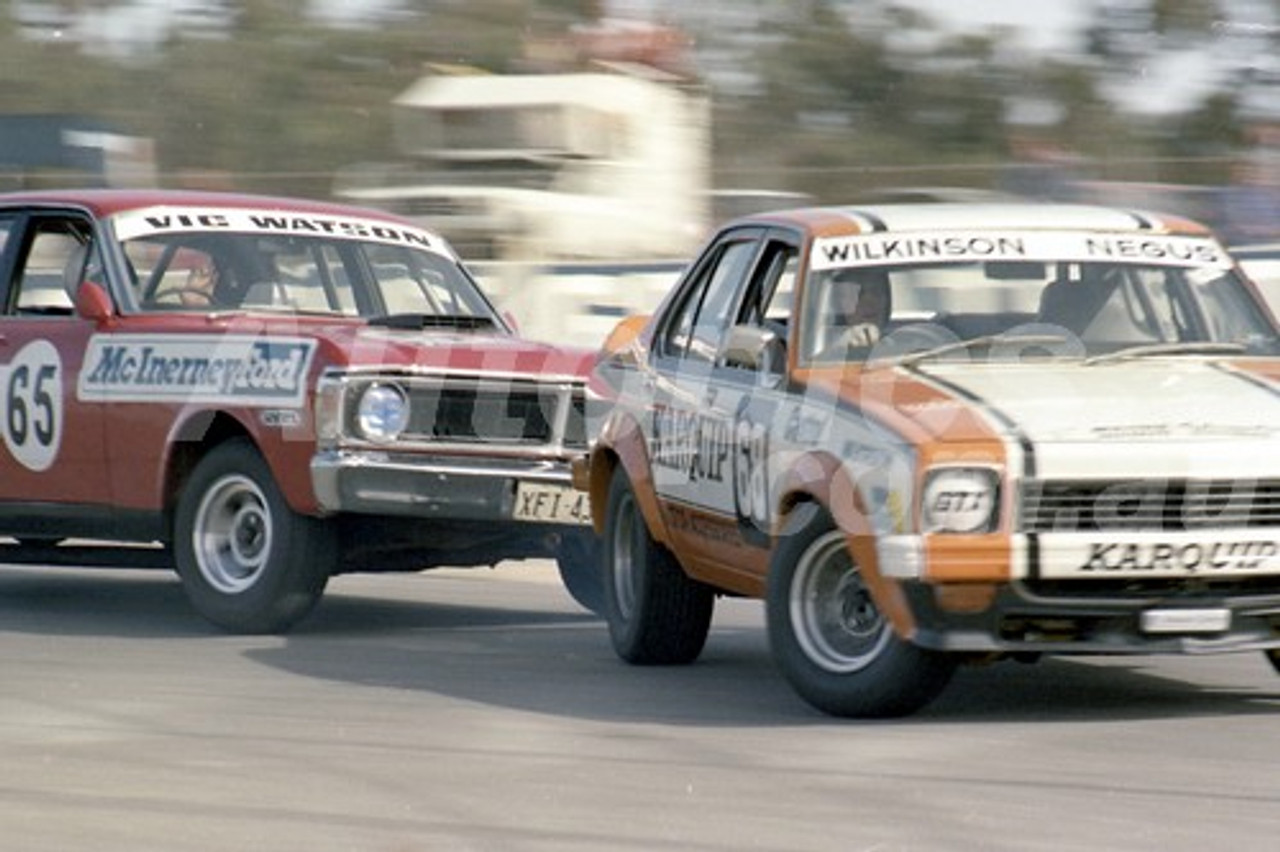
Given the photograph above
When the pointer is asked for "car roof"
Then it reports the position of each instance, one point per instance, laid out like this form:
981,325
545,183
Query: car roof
1017,216
106,202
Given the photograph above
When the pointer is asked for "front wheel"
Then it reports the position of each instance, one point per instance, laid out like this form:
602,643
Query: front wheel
248,562
656,613
830,640
578,560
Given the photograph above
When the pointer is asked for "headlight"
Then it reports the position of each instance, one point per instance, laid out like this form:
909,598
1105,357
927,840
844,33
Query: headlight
383,412
960,500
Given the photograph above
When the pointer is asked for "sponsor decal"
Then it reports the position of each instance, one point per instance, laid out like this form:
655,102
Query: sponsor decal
879,249
241,369
169,220
694,444
684,520
33,413
280,418
1148,431
1166,557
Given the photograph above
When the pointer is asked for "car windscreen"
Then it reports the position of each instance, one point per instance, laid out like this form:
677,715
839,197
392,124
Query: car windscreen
252,271
1097,308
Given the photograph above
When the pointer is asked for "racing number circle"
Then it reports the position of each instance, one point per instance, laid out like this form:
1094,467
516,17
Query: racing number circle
33,405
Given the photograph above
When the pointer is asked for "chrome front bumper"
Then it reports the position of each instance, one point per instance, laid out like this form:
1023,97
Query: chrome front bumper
364,482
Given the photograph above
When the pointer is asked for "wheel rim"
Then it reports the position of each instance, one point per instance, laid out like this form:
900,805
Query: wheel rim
623,550
836,622
232,534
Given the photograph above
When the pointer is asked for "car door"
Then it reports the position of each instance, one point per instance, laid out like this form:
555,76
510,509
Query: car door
701,446
751,389
53,444
689,450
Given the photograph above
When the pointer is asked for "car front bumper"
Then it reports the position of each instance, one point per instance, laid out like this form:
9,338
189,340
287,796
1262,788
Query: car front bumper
463,488
978,604
1018,621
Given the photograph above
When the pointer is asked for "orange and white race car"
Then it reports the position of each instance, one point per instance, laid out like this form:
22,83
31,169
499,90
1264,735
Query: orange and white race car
927,434
267,392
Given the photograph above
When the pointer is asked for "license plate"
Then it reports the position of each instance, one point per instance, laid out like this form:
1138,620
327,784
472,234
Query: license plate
549,503
1186,620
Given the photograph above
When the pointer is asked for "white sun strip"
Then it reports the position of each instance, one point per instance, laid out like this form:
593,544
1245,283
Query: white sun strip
174,220
880,249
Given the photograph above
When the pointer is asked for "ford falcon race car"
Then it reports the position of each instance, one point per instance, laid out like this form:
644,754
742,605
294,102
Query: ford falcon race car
932,434
270,392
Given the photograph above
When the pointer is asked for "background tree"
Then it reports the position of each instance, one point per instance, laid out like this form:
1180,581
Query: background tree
847,97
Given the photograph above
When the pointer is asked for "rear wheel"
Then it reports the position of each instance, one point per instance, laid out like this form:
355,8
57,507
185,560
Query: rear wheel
829,638
248,562
656,613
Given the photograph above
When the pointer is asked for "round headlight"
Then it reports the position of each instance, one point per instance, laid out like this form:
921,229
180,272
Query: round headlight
383,412
960,500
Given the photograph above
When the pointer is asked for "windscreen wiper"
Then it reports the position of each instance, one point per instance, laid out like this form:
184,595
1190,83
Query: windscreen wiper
1185,347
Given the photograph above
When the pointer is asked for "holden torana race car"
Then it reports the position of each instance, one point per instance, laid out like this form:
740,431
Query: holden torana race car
931,434
270,392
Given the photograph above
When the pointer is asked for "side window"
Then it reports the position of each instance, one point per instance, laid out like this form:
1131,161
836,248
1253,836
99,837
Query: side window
1230,313
769,299
50,273
777,309
704,317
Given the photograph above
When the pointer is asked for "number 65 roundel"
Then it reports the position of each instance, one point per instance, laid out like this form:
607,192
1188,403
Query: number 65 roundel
32,424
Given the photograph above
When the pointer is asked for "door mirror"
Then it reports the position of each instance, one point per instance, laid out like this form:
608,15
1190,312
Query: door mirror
750,347
92,301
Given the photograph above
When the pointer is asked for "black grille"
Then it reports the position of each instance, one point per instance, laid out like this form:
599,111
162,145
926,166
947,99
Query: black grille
1149,505
469,414
518,412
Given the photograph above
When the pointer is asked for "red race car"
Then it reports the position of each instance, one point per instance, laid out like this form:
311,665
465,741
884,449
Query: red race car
269,392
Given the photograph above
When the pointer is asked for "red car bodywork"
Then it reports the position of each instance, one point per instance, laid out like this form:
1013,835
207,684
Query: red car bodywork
110,407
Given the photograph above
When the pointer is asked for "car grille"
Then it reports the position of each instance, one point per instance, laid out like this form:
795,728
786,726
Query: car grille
1149,505
462,412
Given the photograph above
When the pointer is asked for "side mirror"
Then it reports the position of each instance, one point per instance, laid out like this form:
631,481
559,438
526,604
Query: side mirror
92,302
760,350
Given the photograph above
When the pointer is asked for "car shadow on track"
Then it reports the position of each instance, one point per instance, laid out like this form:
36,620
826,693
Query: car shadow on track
535,651
149,603
564,665
109,602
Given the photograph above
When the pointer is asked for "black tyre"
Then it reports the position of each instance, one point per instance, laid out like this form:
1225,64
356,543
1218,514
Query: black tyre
1273,657
656,613
579,560
248,562
828,637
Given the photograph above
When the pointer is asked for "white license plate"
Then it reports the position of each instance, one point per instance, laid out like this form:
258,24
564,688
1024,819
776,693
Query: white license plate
558,504
1186,620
